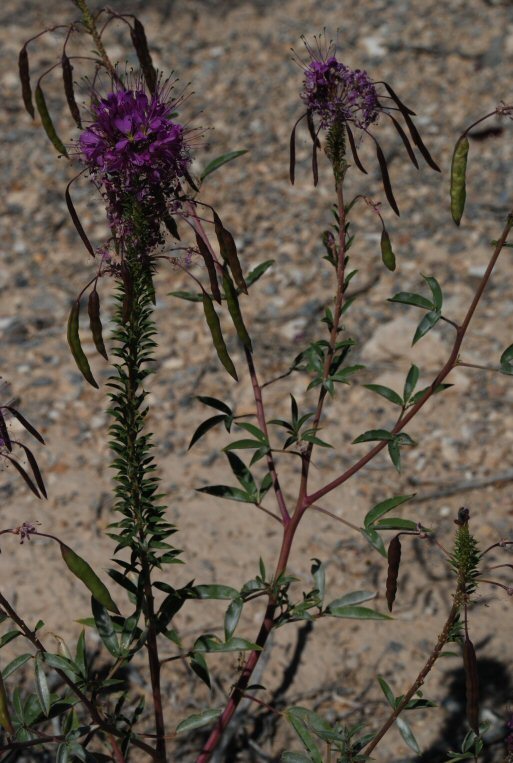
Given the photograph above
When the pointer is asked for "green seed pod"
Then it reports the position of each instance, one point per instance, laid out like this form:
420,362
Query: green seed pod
394,559
234,309
93,308
47,123
387,255
83,571
76,347
229,252
458,178
217,336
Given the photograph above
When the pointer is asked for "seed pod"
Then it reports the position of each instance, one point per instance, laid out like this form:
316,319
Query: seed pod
4,433
93,309
211,268
234,309
84,572
76,347
140,44
387,185
352,145
471,684
229,252
394,559
47,123
76,221
69,91
458,178
26,90
5,718
387,255
217,336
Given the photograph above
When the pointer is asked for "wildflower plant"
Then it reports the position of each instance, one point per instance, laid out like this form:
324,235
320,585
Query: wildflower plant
138,154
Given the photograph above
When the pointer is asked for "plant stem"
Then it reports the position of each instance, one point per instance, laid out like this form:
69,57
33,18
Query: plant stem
92,29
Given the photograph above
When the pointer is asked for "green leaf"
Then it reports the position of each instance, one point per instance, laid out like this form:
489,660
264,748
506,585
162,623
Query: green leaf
318,572
375,540
105,628
387,691
213,402
220,160
82,570
60,663
62,754
436,291
355,597
407,734
231,619
209,643
198,720
411,382
227,492
386,392
297,717
426,324
189,296
384,507
356,613
295,757
13,666
506,360
395,523
204,427
394,451
374,434
242,445
42,690
215,591
420,394
387,254
409,298
254,430
258,272
458,178
242,472
199,666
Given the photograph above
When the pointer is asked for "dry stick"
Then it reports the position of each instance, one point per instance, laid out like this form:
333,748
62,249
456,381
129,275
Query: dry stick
308,500
463,485
95,715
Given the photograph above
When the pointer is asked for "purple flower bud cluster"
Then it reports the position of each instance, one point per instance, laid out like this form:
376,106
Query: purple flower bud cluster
137,155
339,94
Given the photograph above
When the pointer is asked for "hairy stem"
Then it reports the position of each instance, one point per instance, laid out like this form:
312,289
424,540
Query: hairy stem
92,29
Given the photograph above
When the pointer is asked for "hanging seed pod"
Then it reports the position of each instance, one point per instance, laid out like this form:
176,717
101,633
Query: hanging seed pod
4,433
354,152
140,44
458,178
69,91
47,123
471,684
217,336
211,268
394,560
93,309
229,252
26,90
387,185
76,221
234,310
405,141
387,255
76,347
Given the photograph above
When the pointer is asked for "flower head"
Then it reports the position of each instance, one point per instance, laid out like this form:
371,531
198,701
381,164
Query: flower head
137,154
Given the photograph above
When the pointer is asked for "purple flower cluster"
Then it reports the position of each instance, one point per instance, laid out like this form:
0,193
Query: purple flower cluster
339,94
138,156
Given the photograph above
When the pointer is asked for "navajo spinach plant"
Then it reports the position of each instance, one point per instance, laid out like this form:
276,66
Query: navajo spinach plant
138,154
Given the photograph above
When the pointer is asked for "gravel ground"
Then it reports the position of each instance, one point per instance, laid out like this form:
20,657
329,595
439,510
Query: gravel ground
451,63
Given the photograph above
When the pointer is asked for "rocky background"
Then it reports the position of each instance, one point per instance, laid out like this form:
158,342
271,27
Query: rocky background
451,63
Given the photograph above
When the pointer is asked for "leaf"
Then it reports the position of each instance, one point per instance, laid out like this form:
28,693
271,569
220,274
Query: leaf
384,507
81,569
258,272
242,472
95,324
227,492
436,291
386,179
140,44
458,178
420,394
5,716
408,298
394,560
23,474
395,523
67,76
375,540
385,392
23,421
355,597
105,628
411,382
212,644
374,434
217,336
198,720
407,735
394,451
204,427
387,691
42,690
220,160
189,296
62,753
213,402
215,591
76,220
387,255
199,666
295,757
13,666
297,717
426,324
26,91
47,123
356,613
506,357
318,572
232,617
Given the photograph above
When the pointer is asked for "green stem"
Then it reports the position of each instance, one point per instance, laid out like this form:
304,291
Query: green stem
92,29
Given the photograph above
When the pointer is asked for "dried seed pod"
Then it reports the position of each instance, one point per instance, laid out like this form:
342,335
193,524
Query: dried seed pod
26,90
69,91
387,185
229,252
93,309
471,684
394,560
76,221
234,310
210,265
4,433
140,44
352,144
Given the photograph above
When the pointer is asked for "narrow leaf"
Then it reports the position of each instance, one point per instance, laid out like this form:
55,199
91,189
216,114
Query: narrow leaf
13,666
374,434
213,402
42,690
26,90
411,382
82,570
198,720
394,560
75,345
408,298
215,591
355,597
105,627
5,717
47,123
356,613
234,310
387,691
76,221
220,160
204,427
95,324
232,617
407,734
458,178
426,324
436,291
385,392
